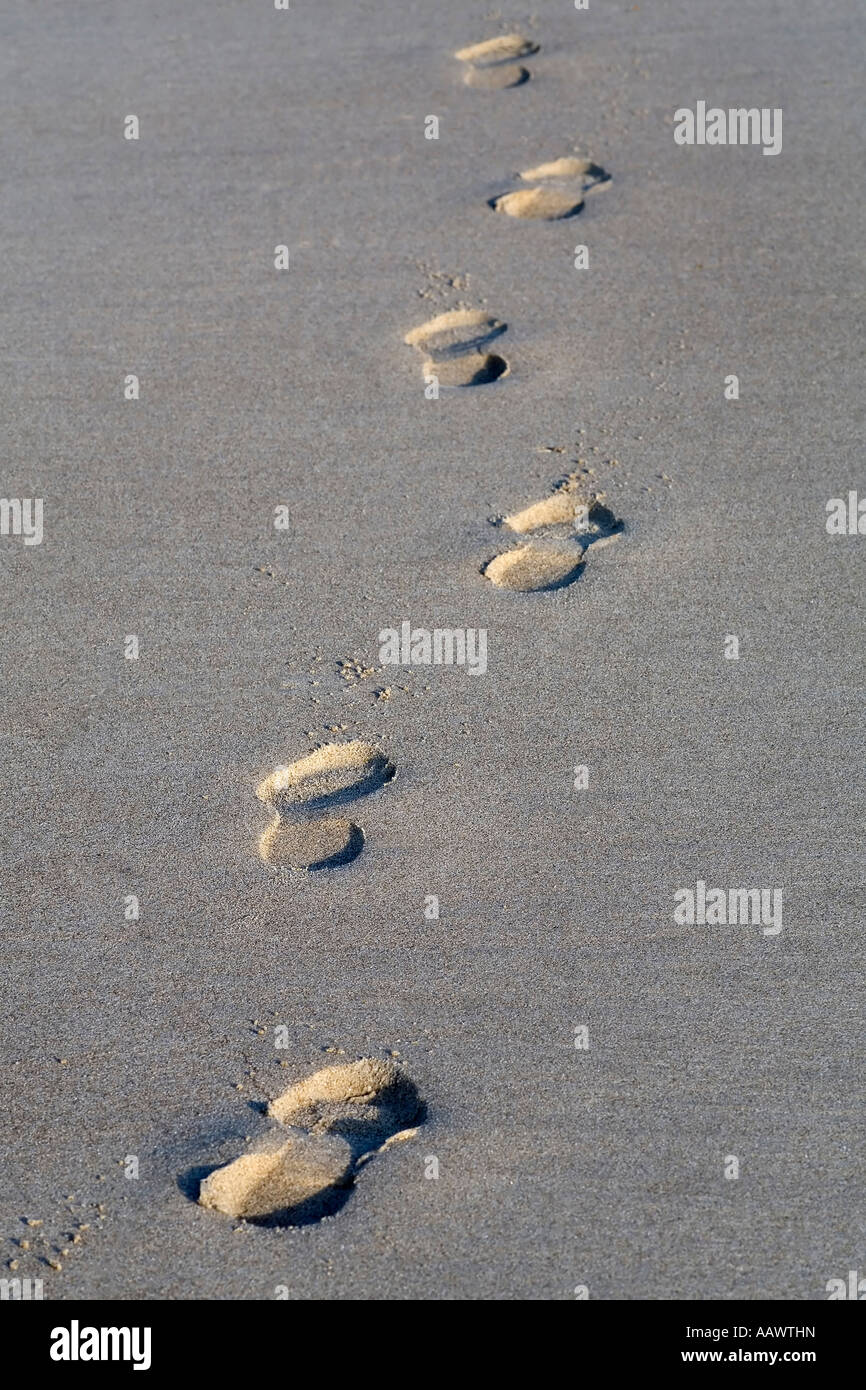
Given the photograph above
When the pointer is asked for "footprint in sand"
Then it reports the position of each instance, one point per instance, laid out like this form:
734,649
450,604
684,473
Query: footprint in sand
329,1126
300,837
454,347
555,190
570,522
492,65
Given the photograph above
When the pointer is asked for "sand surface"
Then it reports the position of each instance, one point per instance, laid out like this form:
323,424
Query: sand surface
154,1039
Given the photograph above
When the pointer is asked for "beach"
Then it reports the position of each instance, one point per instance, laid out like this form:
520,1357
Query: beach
288,479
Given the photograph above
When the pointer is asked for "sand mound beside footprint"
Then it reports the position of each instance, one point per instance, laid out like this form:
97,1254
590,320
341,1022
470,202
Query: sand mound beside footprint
337,772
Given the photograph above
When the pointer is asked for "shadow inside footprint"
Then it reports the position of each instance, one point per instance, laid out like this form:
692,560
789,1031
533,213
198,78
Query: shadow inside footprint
328,1126
308,1211
455,332
312,845
602,524
305,1212
332,776
476,369
190,1181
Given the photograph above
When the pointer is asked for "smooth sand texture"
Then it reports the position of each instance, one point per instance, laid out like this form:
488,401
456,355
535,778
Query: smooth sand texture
155,1035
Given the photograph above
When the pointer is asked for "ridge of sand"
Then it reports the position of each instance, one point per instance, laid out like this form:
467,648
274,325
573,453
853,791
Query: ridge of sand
583,522
456,330
558,509
530,568
501,49
337,769
567,167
